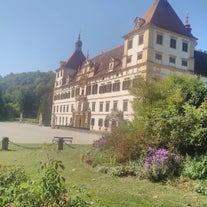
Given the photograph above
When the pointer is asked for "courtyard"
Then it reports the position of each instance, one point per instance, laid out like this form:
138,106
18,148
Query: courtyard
32,133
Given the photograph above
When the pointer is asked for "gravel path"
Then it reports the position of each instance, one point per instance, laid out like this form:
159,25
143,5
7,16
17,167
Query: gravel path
31,133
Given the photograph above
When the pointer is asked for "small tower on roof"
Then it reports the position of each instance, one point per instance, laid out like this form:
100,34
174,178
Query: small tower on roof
78,44
187,25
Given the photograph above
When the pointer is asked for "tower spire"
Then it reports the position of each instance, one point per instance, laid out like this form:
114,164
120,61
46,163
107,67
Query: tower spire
187,25
78,44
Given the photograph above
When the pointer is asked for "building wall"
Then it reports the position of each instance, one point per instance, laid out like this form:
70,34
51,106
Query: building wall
149,52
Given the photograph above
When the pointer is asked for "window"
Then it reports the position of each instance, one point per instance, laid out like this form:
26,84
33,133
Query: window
92,122
172,60
93,106
63,120
73,92
72,109
158,56
68,95
77,91
173,43
141,39
129,59
129,45
88,90
107,106
94,89
185,47
101,107
100,122
101,89
159,39
108,88
125,105
139,56
126,84
106,123
184,63
115,105
111,66
116,86
79,107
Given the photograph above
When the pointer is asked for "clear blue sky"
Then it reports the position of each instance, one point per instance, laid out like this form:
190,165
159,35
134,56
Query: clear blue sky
38,34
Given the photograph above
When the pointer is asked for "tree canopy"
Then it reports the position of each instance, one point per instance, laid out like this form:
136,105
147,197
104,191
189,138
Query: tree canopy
173,112
26,93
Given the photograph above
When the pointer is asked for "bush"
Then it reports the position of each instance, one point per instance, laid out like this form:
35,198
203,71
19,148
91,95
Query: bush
126,143
134,168
195,167
17,190
201,187
161,164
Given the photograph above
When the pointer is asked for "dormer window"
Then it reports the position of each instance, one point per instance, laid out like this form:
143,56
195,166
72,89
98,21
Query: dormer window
111,64
138,22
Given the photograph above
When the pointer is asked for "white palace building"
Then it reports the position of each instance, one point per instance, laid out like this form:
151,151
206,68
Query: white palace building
87,91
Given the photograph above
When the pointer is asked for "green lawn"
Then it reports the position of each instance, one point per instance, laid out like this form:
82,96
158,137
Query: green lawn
105,190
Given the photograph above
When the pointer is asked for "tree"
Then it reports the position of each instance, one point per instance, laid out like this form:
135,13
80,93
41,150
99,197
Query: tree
172,112
24,92
2,106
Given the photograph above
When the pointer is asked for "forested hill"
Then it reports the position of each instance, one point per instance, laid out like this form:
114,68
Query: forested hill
28,93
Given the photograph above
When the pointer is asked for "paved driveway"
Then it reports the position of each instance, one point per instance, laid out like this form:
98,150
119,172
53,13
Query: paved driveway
29,133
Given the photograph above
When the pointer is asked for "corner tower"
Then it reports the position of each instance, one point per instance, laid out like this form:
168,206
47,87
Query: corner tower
159,43
68,69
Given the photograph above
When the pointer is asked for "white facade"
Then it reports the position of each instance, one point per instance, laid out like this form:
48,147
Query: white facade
87,93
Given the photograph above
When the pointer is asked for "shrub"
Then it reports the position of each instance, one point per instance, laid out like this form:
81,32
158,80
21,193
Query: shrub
201,187
134,168
16,189
127,143
118,171
195,167
100,143
161,164
11,178
97,156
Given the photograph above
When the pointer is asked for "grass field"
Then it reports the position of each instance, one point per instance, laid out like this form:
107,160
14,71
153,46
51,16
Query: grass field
105,190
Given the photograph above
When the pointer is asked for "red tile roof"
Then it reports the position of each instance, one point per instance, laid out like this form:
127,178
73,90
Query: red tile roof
162,15
102,61
76,60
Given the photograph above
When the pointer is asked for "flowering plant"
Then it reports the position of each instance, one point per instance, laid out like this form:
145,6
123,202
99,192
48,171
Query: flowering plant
161,164
100,142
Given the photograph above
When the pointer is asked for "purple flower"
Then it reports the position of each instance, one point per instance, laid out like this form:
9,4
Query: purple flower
160,163
100,142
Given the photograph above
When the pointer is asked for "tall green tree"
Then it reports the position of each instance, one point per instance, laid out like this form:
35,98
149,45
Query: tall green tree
172,112
23,92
